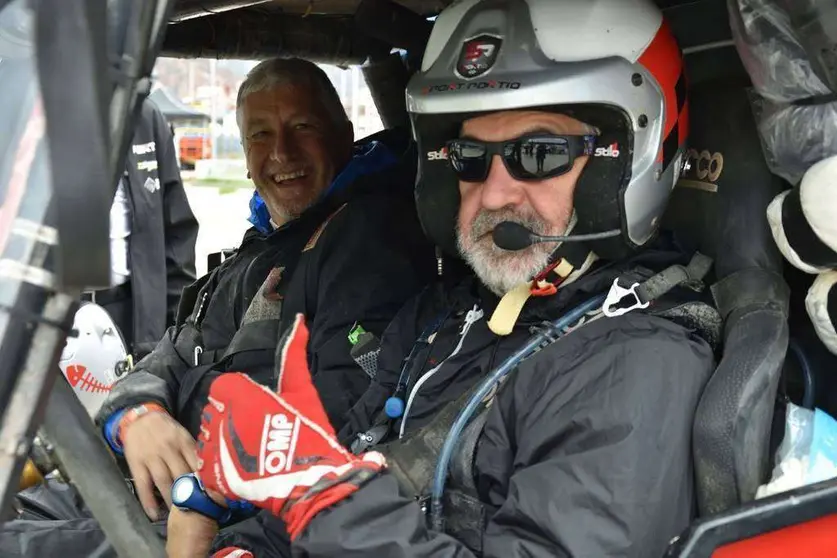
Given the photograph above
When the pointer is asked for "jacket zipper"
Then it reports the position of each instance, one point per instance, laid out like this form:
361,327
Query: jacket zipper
473,316
197,322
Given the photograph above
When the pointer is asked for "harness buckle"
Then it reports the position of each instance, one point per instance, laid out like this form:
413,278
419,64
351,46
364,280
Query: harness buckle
615,296
423,500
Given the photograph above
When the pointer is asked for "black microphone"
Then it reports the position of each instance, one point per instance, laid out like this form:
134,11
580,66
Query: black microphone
512,236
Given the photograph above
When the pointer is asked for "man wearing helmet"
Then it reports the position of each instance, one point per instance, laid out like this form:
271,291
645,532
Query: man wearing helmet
534,118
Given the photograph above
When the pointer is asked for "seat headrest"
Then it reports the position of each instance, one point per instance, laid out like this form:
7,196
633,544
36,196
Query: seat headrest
719,204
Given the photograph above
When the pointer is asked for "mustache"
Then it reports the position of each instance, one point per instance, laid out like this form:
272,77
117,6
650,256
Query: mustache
486,220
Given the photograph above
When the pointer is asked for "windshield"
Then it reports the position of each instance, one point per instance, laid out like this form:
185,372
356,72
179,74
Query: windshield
20,116
24,176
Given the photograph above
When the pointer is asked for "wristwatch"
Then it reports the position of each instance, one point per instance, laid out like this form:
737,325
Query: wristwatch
188,494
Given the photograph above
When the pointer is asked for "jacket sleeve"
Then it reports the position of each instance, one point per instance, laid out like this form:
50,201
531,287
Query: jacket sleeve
372,259
155,378
181,226
601,462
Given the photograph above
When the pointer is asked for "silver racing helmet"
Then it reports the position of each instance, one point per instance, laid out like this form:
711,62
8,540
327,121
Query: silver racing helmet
613,64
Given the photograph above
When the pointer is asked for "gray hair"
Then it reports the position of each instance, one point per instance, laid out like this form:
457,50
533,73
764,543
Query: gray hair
291,71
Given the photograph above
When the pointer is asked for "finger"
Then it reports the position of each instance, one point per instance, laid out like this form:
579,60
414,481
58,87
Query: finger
180,465
214,405
145,491
221,387
162,478
189,451
294,376
217,497
207,419
203,437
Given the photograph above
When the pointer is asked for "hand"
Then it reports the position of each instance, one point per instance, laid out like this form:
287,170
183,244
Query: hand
190,534
158,450
278,450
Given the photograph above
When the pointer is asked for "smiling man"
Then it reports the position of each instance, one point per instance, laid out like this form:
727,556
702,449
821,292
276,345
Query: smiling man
335,237
295,141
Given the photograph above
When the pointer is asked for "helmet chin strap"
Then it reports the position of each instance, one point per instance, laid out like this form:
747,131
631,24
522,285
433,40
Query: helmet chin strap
555,256
564,259
567,262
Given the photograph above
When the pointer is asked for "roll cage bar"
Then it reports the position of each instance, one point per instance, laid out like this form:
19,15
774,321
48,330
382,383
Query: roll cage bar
41,278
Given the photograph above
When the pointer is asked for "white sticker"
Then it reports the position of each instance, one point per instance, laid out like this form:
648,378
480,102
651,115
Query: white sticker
152,184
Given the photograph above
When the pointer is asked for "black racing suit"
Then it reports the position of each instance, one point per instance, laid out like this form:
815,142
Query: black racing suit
585,449
355,258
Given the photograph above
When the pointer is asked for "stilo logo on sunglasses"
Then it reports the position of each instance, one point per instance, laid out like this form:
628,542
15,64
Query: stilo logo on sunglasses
611,150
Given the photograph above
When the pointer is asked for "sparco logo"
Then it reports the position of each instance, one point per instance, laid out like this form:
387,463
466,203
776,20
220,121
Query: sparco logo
278,443
704,165
611,150
442,154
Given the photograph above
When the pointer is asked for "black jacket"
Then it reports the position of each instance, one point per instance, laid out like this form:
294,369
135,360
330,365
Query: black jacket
586,448
354,258
161,248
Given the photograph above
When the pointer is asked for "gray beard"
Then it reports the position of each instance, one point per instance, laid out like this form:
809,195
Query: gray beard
503,270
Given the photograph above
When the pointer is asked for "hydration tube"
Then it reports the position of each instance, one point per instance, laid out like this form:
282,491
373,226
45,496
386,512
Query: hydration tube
550,334
394,406
808,377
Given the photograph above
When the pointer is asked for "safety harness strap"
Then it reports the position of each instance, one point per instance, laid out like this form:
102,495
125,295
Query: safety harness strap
622,299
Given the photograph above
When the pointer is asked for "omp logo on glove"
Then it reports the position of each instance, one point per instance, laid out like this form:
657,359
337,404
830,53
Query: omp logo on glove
278,444
277,449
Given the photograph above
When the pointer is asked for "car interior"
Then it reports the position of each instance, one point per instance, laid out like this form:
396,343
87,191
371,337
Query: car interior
768,355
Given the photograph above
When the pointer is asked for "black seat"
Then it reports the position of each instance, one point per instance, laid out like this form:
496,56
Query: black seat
718,208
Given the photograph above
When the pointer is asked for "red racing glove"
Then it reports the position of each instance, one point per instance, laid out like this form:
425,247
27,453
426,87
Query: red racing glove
278,450
233,552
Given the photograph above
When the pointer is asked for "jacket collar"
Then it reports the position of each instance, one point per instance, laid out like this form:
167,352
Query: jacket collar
368,159
598,279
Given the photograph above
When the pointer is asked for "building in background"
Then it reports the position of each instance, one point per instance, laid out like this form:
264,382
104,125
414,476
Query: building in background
357,99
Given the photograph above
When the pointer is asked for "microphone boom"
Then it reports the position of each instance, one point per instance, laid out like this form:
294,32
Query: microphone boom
512,236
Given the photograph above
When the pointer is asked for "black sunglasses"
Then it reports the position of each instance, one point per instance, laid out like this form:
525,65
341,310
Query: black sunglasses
530,157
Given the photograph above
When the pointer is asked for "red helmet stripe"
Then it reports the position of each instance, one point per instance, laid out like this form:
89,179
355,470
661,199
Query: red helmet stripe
662,59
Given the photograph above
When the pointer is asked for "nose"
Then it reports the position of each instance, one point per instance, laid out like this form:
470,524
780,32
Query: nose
282,149
500,189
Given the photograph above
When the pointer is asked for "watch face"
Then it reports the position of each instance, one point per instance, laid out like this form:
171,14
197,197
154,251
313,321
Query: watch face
182,489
